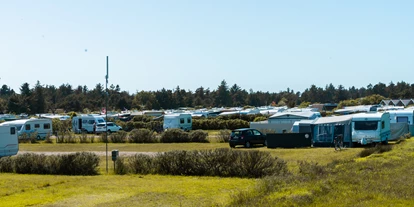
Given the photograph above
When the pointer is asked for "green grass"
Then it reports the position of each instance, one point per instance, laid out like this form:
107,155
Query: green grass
132,190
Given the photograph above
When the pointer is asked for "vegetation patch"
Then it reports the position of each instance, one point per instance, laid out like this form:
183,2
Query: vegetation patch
219,162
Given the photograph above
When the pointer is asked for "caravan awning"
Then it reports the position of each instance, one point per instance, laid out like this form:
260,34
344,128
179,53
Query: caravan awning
345,119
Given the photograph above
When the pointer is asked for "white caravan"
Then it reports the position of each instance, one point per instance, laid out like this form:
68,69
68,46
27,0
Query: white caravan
43,127
371,127
178,121
85,123
9,144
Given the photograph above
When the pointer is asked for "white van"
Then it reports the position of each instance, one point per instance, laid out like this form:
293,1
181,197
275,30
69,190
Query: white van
178,121
85,123
9,144
43,127
371,127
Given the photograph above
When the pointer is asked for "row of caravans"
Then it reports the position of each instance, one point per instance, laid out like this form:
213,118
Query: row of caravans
43,127
362,128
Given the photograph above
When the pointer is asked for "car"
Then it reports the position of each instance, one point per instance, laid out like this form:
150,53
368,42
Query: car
112,127
247,137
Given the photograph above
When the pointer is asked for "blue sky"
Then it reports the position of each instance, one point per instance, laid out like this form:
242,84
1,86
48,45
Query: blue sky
259,45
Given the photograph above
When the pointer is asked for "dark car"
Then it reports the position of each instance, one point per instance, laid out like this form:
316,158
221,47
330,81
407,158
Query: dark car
247,137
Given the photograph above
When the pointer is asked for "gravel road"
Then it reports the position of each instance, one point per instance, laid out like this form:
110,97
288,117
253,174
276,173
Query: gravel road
99,153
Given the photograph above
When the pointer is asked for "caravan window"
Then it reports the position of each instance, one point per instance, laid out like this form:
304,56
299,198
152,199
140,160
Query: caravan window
188,120
366,125
182,121
402,119
101,120
46,126
84,121
27,126
12,130
37,126
91,121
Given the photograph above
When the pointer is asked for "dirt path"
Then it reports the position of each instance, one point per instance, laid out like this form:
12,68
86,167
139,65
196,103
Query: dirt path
99,153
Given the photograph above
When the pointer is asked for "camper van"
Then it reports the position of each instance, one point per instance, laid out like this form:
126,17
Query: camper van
9,144
368,128
178,121
43,127
85,123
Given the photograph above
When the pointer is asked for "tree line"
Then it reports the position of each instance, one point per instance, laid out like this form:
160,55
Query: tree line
50,99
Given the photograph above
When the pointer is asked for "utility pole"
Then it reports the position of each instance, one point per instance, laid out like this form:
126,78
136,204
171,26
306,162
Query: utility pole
106,112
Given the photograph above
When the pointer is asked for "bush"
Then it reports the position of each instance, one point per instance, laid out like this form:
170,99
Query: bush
142,136
80,163
6,165
48,138
174,136
377,149
83,138
119,137
223,135
198,136
30,163
120,166
312,169
141,164
219,162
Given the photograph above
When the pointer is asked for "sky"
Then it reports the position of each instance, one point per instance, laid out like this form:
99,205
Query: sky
260,45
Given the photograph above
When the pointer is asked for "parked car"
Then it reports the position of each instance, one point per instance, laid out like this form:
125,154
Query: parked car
247,137
112,127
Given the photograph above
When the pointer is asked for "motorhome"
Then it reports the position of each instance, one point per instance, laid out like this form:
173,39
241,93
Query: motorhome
178,121
373,127
9,144
85,123
43,127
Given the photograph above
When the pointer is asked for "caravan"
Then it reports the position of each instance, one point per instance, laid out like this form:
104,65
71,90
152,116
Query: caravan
43,127
178,121
9,144
85,123
371,128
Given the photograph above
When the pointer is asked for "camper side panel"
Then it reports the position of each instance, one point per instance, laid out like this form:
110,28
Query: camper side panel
9,144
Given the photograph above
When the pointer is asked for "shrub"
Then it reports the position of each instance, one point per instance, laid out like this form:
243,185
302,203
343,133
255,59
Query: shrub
142,136
81,163
223,135
6,165
48,138
312,169
198,136
174,136
30,163
219,162
83,138
377,149
141,164
119,137
120,166
260,118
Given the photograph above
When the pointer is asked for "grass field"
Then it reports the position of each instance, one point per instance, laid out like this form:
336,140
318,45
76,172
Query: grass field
377,180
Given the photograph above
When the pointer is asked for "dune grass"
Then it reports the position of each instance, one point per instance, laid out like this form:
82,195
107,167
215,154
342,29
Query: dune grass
132,190
383,179
319,177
